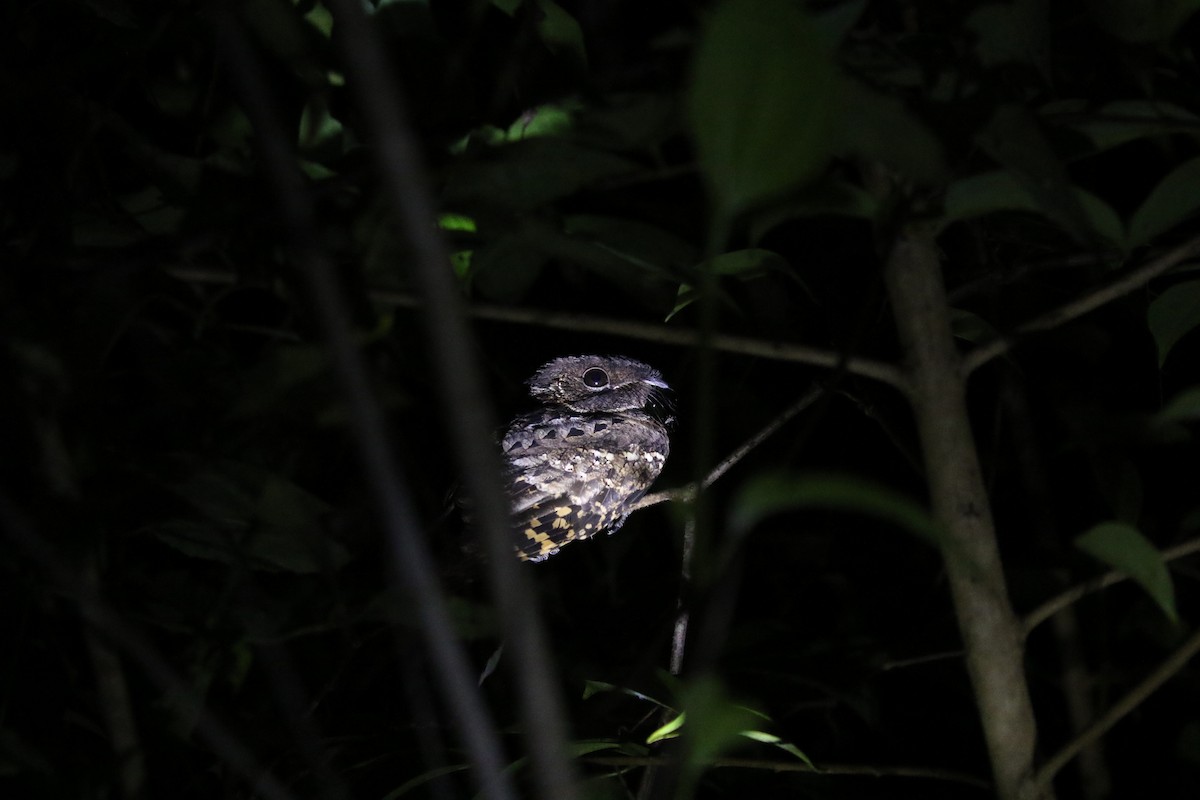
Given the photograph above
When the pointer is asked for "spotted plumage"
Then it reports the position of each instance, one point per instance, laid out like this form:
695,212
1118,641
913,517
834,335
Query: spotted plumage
575,466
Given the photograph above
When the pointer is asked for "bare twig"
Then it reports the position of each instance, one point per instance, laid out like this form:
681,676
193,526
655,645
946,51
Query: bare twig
651,332
1132,699
1081,305
1076,593
687,493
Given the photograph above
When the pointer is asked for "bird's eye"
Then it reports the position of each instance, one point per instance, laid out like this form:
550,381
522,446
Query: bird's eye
595,378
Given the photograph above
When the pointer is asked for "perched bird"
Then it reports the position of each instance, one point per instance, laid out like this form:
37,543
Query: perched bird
575,466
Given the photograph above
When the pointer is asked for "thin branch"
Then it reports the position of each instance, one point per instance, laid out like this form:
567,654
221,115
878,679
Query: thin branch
687,493
1132,699
1076,593
652,332
930,773
1130,282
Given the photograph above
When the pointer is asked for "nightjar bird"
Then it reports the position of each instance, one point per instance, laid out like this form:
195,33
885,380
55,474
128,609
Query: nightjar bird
575,466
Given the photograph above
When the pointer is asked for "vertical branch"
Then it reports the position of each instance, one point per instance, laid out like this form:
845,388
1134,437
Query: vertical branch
402,176
990,630
380,469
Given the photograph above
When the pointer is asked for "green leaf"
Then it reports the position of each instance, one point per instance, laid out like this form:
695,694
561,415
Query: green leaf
647,247
667,731
1124,121
456,222
746,263
761,101
772,739
547,120
769,494
1175,199
1172,315
1015,140
561,32
321,134
715,723
881,128
319,17
989,192
1125,549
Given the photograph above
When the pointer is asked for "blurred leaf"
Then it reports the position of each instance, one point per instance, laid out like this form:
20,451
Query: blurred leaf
1013,138
1176,198
761,101
770,494
881,128
546,120
971,327
1142,21
321,135
592,688
836,20
250,517
1125,549
285,33
1016,32
531,173
284,372
990,192
646,246
1172,315
746,263
715,723
1124,121
561,32
772,739
319,17
1182,407
456,222
506,268
827,197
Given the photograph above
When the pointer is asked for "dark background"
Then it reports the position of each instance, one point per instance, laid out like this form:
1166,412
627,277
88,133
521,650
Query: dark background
173,439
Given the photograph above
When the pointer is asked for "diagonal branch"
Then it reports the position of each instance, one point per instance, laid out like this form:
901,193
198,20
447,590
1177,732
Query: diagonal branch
687,493
1078,307
1132,699
652,332
1074,594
